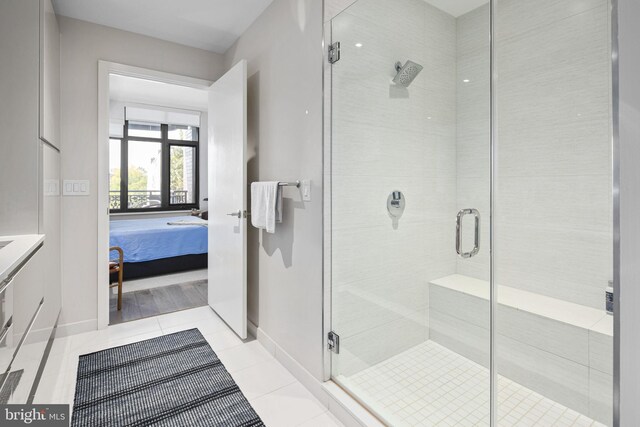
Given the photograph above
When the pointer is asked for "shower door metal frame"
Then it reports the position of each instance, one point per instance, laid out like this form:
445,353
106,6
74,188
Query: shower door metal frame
327,93
615,157
493,144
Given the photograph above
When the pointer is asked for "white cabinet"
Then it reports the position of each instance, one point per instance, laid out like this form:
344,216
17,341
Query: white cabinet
49,263
19,108
29,111
49,75
25,348
30,178
50,184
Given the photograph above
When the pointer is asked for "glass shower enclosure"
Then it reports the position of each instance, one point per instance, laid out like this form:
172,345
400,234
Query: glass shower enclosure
469,234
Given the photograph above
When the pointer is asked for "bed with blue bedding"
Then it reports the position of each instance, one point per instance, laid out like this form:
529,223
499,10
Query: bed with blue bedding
160,245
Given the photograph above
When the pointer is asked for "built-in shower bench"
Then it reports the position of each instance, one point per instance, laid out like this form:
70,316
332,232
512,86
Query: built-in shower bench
551,308
557,348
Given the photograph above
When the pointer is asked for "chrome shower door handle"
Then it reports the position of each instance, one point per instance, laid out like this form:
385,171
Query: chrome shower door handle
476,237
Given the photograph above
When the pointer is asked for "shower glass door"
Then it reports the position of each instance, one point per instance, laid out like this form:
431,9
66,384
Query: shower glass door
453,199
410,200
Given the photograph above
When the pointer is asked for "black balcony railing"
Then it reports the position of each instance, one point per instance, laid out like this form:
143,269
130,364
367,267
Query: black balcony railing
144,199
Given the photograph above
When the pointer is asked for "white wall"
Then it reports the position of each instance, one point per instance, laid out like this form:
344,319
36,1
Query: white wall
284,53
82,45
333,8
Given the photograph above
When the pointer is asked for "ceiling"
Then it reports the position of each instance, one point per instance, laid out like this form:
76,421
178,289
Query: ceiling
139,91
457,7
213,25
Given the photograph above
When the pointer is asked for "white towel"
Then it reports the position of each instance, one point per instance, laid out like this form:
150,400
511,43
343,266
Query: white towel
266,205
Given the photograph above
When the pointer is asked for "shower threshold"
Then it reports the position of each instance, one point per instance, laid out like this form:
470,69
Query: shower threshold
429,385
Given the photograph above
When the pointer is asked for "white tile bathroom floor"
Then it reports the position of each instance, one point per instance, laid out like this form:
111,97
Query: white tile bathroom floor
430,385
275,394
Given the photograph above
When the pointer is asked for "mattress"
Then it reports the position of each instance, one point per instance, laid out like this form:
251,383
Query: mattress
152,239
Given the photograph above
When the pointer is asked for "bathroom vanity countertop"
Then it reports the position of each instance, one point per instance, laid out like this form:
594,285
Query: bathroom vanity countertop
14,250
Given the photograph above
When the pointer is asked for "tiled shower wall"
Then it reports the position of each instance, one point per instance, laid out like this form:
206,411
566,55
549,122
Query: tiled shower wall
387,138
553,199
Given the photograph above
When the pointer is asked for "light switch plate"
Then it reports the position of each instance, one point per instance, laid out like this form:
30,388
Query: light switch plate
51,187
305,186
75,187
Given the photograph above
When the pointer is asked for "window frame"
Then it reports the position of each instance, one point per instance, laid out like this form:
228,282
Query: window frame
165,168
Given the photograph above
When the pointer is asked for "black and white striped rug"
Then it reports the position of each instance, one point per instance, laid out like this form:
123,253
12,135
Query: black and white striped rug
172,380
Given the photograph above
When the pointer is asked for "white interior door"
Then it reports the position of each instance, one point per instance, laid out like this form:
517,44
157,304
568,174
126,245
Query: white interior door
228,198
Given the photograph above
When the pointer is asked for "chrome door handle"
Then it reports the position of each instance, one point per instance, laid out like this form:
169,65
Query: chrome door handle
476,237
236,214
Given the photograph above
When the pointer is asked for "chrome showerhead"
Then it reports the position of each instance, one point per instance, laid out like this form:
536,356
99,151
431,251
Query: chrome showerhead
406,73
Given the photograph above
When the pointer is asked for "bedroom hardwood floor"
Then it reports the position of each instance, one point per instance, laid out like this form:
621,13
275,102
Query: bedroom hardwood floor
152,302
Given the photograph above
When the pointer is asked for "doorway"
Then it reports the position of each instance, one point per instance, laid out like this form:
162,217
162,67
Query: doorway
174,142
155,124
158,169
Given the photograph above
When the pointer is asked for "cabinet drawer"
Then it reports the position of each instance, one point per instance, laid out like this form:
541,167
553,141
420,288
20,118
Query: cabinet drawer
24,367
6,351
6,328
6,305
28,291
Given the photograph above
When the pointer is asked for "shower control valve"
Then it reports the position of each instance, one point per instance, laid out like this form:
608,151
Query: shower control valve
395,203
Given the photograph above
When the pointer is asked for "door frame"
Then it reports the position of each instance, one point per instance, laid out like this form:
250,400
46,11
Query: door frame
106,68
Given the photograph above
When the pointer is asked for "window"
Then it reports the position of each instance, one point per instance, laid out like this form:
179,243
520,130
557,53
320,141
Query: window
183,133
182,177
145,130
153,167
144,174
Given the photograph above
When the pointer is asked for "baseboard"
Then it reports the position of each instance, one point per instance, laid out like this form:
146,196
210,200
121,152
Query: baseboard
77,328
252,329
39,335
296,369
266,341
342,406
